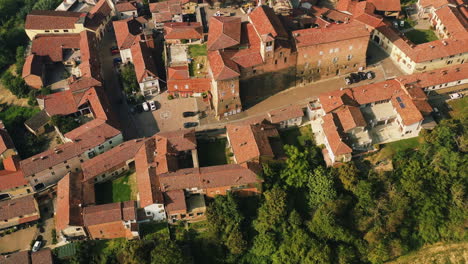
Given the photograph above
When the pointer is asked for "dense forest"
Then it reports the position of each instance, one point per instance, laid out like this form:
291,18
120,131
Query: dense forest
312,214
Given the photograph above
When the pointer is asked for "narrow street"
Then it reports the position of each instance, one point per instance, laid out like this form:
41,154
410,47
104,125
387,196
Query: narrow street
112,87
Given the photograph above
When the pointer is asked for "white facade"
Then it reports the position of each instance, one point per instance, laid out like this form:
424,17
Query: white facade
128,14
126,55
156,211
149,86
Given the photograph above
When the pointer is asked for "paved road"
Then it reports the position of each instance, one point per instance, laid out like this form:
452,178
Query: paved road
113,89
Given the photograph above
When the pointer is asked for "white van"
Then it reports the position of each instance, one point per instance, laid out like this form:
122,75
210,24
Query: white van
145,106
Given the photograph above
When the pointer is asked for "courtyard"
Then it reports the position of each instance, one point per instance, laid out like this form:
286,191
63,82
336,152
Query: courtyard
213,151
120,189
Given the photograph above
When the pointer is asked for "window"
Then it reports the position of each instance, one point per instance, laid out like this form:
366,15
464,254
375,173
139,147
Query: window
176,87
56,31
269,43
449,62
335,60
349,57
101,147
186,86
281,54
65,30
320,53
285,59
53,173
330,51
110,142
47,30
50,168
337,49
35,180
81,161
78,229
276,62
318,63
254,71
351,47
67,167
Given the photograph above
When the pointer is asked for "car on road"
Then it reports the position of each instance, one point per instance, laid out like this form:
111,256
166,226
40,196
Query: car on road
455,96
145,106
152,105
188,114
190,124
37,245
360,76
117,60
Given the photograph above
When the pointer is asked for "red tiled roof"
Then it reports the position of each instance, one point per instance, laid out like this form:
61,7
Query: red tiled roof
70,193
5,140
345,5
436,77
191,85
45,19
386,5
126,6
163,11
21,257
407,110
208,177
266,23
84,84
247,58
183,30
333,136
178,73
43,256
453,20
375,92
12,163
434,3
98,15
11,179
53,45
251,141
61,103
32,66
180,140
22,206
129,210
81,143
111,159
222,66
286,113
90,65
148,192
350,117
224,32
335,99
332,33
143,61
102,214
175,201
126,31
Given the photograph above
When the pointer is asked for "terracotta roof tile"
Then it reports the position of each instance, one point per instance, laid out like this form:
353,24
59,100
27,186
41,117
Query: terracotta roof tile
22,206
224,32
126,31
180,140
126,6
350,117
251,141
5,140
146,175
112,159
175,201
70,201
222,66
183,30
286,113
333,136
32,66
386,5
102,214
143,61
267,23
11,179
129,210
43,256
436,77
178,73
98,14
44,19
52,46
332,33
453,20
208,177
21,257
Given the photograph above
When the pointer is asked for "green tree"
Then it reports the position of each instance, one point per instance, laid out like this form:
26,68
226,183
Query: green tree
272,212
64,123
129,80
297,169
348,175
264,244
235,241
321,187
167,252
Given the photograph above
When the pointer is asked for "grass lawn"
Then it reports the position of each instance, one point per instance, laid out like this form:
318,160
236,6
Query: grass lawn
119,190
297,136
459,107
151,230
197,50
212,153
194,71
66,251
418,36
389,149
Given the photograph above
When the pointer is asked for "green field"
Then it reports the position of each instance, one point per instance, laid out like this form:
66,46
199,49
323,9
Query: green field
419,36
212,153
297,136
459,107
118,190
151,230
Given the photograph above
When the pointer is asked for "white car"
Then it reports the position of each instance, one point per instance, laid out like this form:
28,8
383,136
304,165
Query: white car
145,106
455,96
37,246
152,105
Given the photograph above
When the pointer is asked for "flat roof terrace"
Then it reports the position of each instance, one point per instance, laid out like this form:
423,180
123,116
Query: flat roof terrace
378,112
177,55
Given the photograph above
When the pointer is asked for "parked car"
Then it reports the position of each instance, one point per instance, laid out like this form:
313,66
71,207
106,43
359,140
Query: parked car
37,245
188,114
370,75
114,48
190,124
455,96
117,60
348,80
152,105
113,52
145,106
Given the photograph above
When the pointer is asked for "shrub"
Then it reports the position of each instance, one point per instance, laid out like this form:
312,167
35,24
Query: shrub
376,146
15,84
54,236
64,123
170,97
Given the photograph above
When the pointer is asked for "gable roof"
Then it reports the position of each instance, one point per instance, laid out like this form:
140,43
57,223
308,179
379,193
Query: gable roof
332,33
105,213
46,19
267,23
147,184
183,30
22,206
5,140
10,179
224,32
53,45
178,72
43,256
111,159
386,5
32,66
21,257
334,138
350,117
126,6
251,141
143,61
98,14
126,31
285,113
222,66
175,201
436,77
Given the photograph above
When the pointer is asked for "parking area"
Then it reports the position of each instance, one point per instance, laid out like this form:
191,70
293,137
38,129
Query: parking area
168,115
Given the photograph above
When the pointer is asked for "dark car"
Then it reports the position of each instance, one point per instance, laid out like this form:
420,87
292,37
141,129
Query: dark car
114,48
362,76
117,60
190,124
355,77
188,114
348,80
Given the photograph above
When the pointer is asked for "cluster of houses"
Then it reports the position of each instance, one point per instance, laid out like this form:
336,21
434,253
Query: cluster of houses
312,42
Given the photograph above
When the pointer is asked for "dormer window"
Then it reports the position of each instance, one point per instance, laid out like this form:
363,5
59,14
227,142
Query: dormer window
269,43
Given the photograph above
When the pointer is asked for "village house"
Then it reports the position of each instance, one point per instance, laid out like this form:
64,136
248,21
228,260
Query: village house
72,196
43,256
85,142
358,117
184,189
287,117
114,220
331,50
167,11
7,147
183,33
127,9
22,210
136,45
250,141
180,83
12,182
112,163
66,22
33,71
